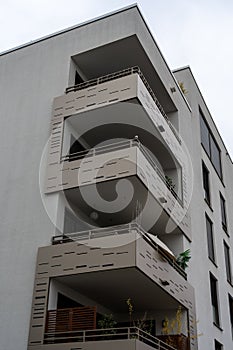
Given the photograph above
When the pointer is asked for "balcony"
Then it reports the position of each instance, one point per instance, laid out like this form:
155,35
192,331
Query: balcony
99,170
112,148
106,266
101,233
116,75
126,100
113,338
78,325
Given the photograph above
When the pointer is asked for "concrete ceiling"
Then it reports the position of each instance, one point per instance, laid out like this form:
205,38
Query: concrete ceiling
113,287
151,217
122,120
121,54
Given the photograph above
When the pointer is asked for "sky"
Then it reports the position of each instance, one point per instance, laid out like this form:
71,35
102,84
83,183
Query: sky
198,33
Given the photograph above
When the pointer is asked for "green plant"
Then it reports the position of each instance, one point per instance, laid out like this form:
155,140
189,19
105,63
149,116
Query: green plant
183,259
107,322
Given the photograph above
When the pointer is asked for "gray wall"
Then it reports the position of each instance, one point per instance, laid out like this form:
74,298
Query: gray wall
200,264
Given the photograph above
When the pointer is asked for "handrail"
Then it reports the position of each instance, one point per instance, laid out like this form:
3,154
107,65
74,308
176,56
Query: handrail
98,150
122,145
120,74
118,333
118,230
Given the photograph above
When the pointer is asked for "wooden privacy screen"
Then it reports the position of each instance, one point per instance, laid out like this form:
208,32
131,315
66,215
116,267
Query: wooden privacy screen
71,319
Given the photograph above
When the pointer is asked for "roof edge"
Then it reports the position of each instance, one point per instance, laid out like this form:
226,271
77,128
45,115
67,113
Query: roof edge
63,31
195,82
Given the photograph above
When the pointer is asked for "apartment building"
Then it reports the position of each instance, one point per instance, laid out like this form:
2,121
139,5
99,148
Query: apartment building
116,167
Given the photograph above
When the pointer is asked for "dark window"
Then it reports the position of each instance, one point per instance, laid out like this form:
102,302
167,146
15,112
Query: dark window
210,240
205,175
75,148
215,155
63,302
217,345
210,145
204,134
223,213
78,78
231,313
227,262
214,299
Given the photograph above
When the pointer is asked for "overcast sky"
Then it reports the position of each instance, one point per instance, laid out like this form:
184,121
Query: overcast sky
198,33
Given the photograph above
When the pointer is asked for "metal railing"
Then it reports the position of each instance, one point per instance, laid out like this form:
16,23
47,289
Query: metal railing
122,145
98,150
120,74
108,334
118,230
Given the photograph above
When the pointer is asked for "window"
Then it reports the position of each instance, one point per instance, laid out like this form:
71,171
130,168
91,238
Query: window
210,240
217,345
210,145
78,79
204,134
64,302
205,176
75,147
223,213
214,299
231,312
227,262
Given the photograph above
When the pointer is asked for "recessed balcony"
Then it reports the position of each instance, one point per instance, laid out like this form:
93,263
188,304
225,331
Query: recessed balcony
112,338
109,109
110,255
91,85
107,267
97,236
116,183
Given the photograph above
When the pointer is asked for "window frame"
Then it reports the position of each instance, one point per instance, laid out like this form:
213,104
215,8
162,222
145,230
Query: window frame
230,306
208,147
228,268
223,212
214,299
207,197
210,240
217,345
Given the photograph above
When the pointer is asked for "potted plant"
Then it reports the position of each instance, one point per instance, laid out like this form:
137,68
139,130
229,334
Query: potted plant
183,259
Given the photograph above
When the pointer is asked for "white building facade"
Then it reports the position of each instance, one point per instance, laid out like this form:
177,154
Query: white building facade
116,168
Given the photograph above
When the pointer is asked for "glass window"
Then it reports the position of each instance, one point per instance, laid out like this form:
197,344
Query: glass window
215,155
210,145
223,213
214,299
205,175
210,240
227,262
217,345
231,312
204,134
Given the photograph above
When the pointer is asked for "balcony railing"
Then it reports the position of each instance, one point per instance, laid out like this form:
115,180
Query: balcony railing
119,230
122,145
120,74
108,334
